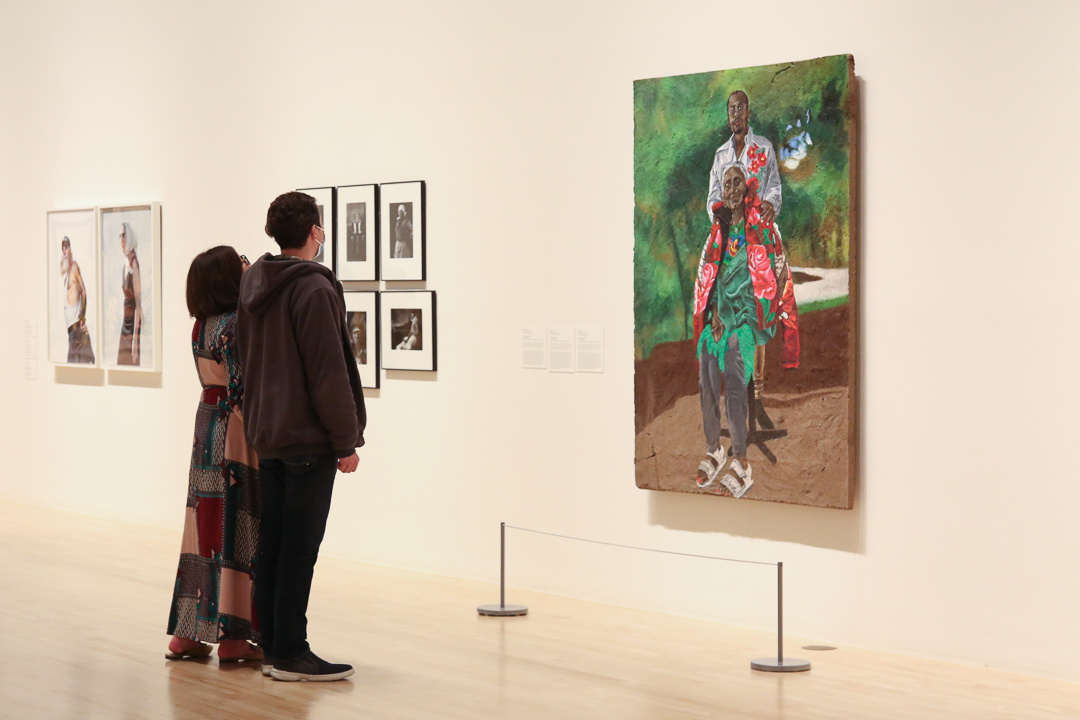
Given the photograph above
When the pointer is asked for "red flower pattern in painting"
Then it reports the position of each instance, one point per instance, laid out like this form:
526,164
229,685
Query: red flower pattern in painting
703,286
753,215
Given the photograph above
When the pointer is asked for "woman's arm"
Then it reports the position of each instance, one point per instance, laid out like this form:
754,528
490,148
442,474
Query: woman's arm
136,285
80,288
227,353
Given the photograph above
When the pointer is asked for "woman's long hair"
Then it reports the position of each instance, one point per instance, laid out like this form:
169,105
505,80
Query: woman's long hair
213,282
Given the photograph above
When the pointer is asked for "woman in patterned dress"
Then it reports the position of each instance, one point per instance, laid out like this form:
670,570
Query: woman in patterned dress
213,598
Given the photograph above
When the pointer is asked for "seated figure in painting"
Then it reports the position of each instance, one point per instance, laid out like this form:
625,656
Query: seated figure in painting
736,303
74,294
412,340
755,155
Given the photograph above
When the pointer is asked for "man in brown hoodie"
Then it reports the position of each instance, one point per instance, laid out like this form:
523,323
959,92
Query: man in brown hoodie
304,415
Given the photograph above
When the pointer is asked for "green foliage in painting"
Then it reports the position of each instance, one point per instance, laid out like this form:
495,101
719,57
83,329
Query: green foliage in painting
679,122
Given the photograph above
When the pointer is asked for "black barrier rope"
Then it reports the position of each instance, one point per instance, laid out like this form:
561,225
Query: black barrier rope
634,547
777,664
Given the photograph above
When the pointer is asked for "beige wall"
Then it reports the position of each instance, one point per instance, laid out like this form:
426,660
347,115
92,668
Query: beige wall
963,543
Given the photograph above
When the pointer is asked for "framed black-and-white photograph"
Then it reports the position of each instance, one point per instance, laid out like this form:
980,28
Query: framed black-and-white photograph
402,230
129,241
358,225
408,330
324,198
362,318
72,251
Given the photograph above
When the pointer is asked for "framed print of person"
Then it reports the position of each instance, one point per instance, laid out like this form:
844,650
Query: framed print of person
745,319
324,198
130,272
362,320
72,253
402,230
408,336
358,223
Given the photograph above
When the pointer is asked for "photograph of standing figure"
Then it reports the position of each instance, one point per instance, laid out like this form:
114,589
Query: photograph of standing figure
72,252
130,271
355,230
131,286
403,230
79,346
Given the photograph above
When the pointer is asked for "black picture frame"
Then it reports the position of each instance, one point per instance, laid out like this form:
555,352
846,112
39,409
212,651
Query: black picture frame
409,330
357,252
403,230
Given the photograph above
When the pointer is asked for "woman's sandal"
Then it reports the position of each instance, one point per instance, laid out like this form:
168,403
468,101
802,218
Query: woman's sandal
253,654
199,651
711,466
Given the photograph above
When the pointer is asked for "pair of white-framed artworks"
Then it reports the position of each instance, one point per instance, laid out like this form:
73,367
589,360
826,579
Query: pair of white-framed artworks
373,232
104,285
392,329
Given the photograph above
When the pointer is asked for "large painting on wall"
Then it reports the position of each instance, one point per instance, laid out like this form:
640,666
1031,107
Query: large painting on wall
744,282
73,287
130,254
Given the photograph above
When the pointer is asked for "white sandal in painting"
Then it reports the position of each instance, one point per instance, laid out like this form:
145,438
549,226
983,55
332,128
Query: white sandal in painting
710,467
741,481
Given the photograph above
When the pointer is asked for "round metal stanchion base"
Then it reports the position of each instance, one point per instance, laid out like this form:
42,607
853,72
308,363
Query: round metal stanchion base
775,665
502,610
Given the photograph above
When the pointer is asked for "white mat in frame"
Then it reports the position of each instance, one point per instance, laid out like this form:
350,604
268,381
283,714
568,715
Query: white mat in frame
358,224
129,242
324,198
402,230
72,252
409,340
362,318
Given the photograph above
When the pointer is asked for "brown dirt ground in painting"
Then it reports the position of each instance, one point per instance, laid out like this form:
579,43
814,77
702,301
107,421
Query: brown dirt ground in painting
810,405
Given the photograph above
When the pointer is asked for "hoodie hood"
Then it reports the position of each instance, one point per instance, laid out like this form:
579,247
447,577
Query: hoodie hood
270,273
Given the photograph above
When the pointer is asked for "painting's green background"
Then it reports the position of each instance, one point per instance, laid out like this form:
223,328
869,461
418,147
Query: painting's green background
679,122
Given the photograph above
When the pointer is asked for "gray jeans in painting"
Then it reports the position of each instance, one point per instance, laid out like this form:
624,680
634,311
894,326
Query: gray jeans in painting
735,399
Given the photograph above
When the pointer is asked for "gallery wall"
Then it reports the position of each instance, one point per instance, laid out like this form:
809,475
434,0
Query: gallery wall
963,543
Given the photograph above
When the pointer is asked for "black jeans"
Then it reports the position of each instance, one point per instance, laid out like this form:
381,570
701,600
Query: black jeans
296,501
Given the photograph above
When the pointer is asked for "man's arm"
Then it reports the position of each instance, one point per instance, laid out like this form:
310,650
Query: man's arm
80,287
318,338
716,187
770,191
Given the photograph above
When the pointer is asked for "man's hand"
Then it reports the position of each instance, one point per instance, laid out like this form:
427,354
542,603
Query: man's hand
768,213
348,464
717,327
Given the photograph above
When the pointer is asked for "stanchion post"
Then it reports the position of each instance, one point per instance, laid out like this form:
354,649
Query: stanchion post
780,612
502,609
778,664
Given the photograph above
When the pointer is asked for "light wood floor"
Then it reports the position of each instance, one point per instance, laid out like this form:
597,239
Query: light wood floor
84,602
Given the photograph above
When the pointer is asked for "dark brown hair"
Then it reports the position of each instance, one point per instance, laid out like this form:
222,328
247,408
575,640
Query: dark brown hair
290,217
213,282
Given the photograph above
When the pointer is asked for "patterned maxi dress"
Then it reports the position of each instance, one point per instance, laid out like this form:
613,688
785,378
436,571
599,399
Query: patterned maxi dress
213,598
